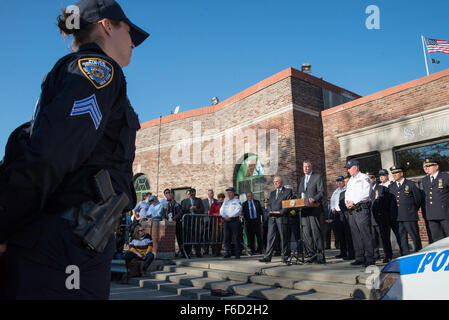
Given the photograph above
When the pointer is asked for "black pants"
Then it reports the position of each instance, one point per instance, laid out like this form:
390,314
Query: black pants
253,230
275,233
329,227
38,271
344,231
129,255
311,229
394,226
409,228
292,228
233,232
439,229
360,223
381,233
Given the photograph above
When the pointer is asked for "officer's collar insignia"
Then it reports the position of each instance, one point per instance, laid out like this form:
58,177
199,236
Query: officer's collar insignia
99,72
88,106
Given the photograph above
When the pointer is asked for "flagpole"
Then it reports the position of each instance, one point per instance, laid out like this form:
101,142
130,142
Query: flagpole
425,56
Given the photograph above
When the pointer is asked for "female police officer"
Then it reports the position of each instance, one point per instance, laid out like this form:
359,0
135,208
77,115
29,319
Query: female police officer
82,124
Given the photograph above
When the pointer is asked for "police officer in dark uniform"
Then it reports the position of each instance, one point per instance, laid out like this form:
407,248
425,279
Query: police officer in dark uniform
404,209
83,124
436,188
346,243
380,203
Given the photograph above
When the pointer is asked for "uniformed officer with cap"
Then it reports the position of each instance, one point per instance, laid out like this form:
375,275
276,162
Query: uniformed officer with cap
336,212
380,203
231,210
83,125
383,177
358,202
404,209
436,188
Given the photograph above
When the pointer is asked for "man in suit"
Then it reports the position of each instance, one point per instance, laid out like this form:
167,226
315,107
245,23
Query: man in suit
436,189
192,205
380,208
404,209
275,223
207,203
311,187
252,215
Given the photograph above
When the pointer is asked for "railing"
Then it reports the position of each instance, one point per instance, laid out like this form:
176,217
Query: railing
201,229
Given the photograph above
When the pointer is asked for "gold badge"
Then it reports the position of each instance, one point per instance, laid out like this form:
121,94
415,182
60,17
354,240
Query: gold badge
377,194
407,189
440,183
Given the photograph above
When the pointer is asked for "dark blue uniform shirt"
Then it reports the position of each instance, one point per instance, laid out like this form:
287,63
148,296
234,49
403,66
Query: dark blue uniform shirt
406,201
84,123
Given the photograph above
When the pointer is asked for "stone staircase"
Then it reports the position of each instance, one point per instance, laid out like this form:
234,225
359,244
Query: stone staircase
248,278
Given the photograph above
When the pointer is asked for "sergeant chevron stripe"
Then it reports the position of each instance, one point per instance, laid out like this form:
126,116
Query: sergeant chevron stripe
89,106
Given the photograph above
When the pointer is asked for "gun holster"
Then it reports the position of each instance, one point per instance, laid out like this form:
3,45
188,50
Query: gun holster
94,222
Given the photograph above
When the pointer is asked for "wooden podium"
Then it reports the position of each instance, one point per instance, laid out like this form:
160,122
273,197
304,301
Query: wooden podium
298,203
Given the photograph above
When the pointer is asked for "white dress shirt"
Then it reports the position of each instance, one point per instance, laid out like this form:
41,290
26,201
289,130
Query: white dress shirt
335,199
231,208
358,189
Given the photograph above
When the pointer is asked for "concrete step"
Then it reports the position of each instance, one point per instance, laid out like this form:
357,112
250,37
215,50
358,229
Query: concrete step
181,290
270,293
210,273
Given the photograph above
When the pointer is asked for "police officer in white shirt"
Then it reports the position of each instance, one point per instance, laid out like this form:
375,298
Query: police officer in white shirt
358,202
336,212
231,210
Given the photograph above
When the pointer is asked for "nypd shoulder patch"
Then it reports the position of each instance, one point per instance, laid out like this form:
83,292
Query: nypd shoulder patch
88,106
99,72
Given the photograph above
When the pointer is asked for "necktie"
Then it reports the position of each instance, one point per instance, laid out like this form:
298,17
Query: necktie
399,184
251,215
277,193
431,179
210,202
306,180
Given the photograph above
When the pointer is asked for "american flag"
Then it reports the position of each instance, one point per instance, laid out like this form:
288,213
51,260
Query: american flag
437,46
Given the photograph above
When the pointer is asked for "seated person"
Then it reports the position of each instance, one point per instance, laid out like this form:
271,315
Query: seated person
140,248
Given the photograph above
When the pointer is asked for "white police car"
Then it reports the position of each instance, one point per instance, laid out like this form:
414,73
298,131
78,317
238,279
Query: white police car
422,275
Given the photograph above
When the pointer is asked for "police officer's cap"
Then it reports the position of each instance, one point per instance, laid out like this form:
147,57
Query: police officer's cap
430,162
230,189
350,163
396,169
340,178
383,172
95,10
371,174
152,198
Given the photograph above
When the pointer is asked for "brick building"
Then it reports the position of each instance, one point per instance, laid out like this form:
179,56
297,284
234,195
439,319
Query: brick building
244,141
401,125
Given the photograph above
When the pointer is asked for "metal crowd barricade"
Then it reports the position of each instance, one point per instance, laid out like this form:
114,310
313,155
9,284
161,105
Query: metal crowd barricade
201,230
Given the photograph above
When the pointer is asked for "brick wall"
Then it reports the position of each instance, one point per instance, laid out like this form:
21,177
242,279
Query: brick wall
270,108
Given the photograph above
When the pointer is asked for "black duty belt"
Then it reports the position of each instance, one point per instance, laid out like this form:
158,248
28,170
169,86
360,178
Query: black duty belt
360,206
233,219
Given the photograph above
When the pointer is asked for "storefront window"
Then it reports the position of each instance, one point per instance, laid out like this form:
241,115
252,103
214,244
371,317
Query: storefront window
250,178
369,162
412,158
142,186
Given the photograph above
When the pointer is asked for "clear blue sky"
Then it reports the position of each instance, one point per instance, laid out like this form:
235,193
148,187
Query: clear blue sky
199,49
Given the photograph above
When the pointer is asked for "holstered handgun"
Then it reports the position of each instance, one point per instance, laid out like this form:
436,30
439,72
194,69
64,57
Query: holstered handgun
93,222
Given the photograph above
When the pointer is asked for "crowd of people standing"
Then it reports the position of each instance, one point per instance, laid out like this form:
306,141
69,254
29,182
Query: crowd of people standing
362,212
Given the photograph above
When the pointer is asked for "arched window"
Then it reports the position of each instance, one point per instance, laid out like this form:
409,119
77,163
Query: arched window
142,186
250,177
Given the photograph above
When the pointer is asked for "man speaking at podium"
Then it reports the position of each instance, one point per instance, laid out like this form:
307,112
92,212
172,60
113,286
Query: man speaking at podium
311,187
